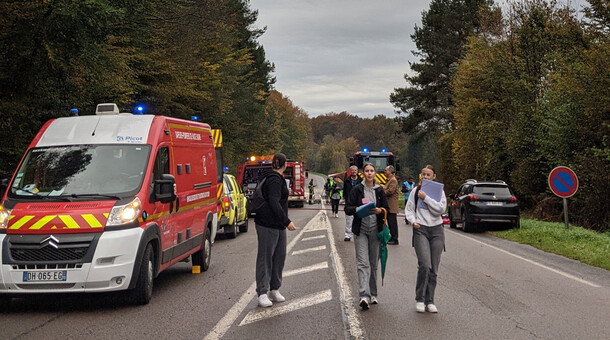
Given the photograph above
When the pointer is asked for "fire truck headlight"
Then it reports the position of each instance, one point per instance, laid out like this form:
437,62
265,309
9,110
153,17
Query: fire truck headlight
123,214
4,217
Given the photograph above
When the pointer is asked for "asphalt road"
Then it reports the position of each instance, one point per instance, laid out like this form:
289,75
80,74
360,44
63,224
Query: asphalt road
488,288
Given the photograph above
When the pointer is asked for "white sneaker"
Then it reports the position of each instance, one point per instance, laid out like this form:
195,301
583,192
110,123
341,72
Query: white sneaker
364,303
420,307
374,300
276,296
263,301
431,308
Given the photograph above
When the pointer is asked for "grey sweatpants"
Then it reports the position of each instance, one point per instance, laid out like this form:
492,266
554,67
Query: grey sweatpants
367,257
270,258
429,243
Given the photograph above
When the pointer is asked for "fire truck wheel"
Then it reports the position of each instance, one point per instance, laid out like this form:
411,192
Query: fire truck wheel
142,293
202,256
244,227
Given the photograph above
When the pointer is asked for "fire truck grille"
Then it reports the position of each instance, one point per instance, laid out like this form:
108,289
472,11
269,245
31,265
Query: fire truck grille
49,254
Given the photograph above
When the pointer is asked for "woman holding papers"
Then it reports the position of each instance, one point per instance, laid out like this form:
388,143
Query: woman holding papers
424,209
365,202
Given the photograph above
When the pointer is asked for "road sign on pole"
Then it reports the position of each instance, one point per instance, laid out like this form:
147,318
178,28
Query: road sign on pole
563,183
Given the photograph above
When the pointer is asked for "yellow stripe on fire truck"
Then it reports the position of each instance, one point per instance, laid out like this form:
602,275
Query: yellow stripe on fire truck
217,137
58,221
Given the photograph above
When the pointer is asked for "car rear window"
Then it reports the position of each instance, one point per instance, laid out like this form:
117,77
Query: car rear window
497,190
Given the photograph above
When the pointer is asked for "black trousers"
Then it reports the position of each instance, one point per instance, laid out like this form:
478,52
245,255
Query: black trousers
335,206
393,225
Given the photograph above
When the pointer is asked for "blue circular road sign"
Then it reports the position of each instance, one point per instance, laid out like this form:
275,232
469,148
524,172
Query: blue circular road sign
563,181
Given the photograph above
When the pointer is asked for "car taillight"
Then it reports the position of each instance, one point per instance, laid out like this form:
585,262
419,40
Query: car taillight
226,204
513,199
473,197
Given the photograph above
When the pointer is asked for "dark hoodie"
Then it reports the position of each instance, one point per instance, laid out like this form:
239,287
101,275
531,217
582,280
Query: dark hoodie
275,213
355,200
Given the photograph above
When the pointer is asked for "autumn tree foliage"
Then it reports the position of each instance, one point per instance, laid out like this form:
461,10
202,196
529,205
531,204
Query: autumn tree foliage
179,58
531,94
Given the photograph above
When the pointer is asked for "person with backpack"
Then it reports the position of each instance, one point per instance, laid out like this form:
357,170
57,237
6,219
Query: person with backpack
335,197
271,223
365,231
428,241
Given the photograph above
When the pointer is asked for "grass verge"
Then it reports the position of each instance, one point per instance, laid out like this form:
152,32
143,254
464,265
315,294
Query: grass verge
590,247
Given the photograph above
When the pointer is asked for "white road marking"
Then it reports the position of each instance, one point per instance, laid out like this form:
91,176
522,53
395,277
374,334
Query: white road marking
313,238
308,250
282,308
351,317
321,265
530,261
225,323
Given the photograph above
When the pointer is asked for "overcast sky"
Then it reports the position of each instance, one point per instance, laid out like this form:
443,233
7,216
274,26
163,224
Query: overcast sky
340,55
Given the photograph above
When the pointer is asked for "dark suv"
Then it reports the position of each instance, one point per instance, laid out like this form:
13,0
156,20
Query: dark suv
476,203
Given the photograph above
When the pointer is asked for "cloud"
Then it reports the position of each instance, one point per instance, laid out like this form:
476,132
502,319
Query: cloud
333,56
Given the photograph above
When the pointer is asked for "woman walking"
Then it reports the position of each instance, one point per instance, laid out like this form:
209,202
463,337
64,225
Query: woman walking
271,224
335,197
365,233
428,240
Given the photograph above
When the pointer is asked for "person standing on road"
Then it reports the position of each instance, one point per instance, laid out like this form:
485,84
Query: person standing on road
348,184
365,233
335,197
391,193
271,224
407,187
428,240
311,192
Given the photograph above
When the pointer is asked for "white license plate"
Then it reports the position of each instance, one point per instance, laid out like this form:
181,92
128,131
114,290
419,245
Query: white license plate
494,203
45,276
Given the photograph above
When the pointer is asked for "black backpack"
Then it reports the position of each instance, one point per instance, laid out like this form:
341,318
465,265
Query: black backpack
257,202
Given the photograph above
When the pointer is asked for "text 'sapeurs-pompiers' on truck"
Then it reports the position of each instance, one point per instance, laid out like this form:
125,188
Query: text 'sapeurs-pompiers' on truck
106,202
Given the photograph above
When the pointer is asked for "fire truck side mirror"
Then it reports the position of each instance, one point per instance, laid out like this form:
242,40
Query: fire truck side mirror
397,165
164,189
351,161
3,186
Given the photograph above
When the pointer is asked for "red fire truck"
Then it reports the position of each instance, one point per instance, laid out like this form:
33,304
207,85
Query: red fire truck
379,159
255,168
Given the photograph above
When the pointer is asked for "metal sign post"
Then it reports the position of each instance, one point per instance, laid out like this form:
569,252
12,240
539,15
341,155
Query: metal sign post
563,183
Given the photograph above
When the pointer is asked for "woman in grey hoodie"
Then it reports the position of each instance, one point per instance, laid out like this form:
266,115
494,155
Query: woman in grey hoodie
365,233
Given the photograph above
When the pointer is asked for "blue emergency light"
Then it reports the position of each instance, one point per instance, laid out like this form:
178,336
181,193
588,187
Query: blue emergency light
365,149
195,118
384,150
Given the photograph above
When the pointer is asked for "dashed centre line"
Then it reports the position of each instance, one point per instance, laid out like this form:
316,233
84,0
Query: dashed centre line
313,238
306,301
308,250
321,265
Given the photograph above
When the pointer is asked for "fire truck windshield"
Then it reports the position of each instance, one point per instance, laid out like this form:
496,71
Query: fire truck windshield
81,170
380,162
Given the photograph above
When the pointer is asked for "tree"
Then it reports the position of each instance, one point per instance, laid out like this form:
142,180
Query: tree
426,100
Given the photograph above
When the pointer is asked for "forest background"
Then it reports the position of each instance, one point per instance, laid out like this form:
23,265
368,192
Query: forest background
498,92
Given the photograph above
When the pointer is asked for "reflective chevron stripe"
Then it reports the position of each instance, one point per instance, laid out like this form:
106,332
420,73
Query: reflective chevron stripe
217,137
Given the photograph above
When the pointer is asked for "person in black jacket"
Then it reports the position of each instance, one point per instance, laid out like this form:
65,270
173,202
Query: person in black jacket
271,224
351,180
365,233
